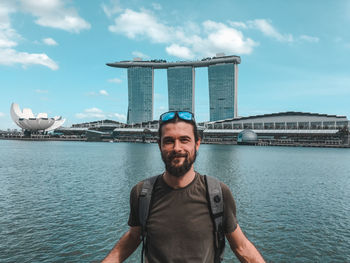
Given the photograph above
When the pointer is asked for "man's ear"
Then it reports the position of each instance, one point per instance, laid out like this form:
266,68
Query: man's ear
197,144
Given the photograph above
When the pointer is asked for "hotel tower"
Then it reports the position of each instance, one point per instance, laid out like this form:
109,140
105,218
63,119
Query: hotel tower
222,75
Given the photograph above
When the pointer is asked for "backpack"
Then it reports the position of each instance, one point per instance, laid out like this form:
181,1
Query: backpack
216,209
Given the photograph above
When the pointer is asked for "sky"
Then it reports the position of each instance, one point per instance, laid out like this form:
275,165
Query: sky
53,54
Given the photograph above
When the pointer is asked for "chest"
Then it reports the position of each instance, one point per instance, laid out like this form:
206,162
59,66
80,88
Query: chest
184,213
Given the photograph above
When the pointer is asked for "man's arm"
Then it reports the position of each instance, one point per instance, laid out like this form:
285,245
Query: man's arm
125,246
243,248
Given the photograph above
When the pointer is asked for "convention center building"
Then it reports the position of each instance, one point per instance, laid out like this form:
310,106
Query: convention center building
276,128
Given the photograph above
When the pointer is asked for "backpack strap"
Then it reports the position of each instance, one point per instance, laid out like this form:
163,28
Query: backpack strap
216,208
144,205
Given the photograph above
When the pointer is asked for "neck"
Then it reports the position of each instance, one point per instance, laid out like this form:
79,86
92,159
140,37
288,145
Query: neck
179,182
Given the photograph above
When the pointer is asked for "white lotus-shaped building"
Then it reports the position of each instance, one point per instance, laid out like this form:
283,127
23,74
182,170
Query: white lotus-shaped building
26,120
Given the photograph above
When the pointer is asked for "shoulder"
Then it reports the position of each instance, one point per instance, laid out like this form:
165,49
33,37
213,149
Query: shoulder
226,192
136,190
224,187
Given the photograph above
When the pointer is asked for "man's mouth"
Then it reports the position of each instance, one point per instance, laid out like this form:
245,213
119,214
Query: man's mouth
178,156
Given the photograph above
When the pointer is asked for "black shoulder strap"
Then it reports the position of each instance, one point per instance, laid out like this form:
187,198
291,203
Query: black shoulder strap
216,204
145,199
144,205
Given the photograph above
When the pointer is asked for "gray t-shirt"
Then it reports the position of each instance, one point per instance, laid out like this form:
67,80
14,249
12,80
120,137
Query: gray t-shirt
179,227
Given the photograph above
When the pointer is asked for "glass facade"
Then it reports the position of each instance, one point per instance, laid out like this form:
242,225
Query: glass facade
222,91
140,91
181,88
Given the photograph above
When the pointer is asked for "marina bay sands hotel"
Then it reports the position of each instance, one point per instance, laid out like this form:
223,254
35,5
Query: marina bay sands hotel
222,75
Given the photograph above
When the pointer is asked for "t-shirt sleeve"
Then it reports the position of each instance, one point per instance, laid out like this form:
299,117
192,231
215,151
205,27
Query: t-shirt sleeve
134,205
229,220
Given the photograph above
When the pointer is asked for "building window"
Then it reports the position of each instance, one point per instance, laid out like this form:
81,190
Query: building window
258,126
280,125
291,126
328,125
303,125
247,126
316,125
237,126
341,124
227,126
269,126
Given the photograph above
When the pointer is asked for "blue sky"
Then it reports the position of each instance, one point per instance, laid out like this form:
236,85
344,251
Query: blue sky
295,54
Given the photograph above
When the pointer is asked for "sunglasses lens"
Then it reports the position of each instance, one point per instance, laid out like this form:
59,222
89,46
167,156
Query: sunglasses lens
168,116
184,115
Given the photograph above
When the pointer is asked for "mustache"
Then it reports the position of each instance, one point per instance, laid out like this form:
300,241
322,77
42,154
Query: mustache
175,155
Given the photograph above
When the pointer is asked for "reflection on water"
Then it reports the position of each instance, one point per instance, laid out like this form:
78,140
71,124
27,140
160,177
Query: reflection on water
69,201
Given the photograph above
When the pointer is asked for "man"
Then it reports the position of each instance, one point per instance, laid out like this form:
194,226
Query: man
179,226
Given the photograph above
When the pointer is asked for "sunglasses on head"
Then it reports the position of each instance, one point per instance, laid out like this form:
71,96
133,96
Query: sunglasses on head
182,115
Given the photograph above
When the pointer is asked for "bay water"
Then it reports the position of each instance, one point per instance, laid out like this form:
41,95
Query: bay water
69,201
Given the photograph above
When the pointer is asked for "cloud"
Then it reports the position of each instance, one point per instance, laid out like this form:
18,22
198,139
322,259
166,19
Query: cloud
98,113
55,14
140,55
93,110
238,24
187,41
265,26
222,38
267,29
115,80
309,39
133,24
112,9
9,39
2,114
120,117
103,92
179,51
91,113
8,36
10,56
49,41
41,91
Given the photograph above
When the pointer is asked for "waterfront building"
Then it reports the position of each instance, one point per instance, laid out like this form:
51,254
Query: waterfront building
282,121
222,72
181,88
29,122
247,137
140,94
222,91
283,128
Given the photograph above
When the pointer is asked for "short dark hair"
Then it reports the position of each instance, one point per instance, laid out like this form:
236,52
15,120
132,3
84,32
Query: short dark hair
175,120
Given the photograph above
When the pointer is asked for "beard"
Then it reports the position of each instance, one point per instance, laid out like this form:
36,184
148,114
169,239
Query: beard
178,170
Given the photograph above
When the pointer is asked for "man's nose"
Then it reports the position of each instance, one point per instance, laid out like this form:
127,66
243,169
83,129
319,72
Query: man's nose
177,145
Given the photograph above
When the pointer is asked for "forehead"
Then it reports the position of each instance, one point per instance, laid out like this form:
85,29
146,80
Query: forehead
178,129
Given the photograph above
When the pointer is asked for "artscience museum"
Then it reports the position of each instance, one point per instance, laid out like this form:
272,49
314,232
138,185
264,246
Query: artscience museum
29,122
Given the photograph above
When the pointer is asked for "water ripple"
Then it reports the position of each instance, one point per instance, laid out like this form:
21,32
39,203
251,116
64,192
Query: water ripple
69,201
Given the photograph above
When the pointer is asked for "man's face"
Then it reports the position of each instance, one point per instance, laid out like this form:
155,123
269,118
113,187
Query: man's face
178,147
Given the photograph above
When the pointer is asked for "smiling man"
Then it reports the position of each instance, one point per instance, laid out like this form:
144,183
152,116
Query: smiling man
178,222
